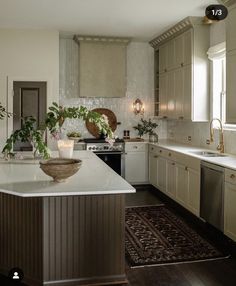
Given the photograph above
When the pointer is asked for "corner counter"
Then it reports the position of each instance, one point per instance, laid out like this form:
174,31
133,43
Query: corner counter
68,233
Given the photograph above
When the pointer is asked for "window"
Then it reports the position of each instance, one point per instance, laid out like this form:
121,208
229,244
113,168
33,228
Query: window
218,81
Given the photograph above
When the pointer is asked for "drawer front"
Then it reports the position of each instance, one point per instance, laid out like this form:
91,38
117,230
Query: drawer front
230,176
135,147
153,149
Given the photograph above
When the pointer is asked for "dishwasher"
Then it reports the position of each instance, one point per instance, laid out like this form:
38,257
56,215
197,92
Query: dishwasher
212,194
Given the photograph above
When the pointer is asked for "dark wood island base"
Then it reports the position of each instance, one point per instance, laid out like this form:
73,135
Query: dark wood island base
64,240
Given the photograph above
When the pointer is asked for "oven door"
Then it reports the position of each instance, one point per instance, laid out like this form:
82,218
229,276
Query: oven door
113,160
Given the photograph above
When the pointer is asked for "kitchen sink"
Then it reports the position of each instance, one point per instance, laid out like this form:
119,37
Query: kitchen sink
208,154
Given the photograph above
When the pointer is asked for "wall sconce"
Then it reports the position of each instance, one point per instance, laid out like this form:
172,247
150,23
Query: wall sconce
138,107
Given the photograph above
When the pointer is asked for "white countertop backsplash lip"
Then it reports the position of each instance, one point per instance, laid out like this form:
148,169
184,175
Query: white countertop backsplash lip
228,161
94,178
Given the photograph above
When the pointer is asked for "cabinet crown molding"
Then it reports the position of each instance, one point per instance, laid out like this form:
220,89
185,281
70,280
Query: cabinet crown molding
101,39
179,28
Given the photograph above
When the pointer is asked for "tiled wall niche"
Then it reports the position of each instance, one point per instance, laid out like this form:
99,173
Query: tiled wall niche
140,84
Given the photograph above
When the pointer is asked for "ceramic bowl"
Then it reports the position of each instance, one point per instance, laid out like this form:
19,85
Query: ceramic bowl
60,169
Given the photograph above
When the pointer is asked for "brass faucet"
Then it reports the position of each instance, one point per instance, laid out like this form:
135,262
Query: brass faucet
220,146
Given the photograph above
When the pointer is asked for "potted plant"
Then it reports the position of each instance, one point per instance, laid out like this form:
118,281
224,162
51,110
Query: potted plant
147,127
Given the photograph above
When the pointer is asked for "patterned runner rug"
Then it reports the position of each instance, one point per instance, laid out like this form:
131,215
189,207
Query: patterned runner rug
155,235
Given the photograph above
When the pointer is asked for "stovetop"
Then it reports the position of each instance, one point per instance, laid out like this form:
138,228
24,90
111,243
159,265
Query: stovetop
95,140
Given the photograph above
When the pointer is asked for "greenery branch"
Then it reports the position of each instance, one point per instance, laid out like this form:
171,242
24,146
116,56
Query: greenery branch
146,127
4,112
54,121
27,133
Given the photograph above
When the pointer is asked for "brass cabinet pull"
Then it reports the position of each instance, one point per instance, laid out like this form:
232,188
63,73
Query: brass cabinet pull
186,168
169,154
181,117
135,147
173,164
232,176
165,70
164,117
155,156
160,151
182,64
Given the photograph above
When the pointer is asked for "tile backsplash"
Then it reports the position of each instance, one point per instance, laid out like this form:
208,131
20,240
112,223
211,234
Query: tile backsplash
179,131
140,84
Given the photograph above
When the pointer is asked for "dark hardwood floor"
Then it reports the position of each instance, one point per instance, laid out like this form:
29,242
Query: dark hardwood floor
209,273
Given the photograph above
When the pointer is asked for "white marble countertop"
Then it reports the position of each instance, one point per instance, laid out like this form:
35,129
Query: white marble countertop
228,161
93,178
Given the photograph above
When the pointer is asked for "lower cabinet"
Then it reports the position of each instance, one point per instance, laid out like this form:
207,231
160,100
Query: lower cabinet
136,162
229,204
179,177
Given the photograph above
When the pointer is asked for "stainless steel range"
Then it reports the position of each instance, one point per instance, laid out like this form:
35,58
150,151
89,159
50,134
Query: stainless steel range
112,155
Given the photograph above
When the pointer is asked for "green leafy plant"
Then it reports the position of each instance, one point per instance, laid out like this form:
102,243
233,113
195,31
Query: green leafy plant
58,114
146,127
27,133
54,121
3,112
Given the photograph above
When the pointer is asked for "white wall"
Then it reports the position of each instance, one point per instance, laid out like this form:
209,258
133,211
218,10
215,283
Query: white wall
140,84
28,55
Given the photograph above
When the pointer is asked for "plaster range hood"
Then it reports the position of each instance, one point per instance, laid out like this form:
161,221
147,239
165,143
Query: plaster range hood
102,66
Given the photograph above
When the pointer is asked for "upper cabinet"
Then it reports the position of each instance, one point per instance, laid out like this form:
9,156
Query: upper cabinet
231,66
184,71
102,66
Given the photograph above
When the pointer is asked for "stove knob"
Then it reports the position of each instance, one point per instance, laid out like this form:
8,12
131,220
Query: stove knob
89,148
94,148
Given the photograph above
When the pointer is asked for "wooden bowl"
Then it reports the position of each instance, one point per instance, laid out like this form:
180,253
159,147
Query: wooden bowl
59,168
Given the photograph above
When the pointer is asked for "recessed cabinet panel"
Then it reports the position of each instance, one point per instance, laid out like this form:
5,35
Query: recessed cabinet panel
179,50
170,94
187,92
194,191
171,179
153,169
182,184
188,47
179,92
230,211
161,173
170,55
163,95
163,58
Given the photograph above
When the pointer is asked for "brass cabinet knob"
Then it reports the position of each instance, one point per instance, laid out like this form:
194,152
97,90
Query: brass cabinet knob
182,64
173,164
160,151
165,70
181,117
135,147
169,154
232,176
165,117
186,168
155,156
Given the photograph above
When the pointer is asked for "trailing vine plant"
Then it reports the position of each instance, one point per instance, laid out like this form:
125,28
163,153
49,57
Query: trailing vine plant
27,133
55,118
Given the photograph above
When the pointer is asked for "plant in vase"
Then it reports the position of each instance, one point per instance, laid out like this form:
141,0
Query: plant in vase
147,127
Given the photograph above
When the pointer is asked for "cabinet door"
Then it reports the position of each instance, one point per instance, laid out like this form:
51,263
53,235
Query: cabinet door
230,211
136,167
153,169
179,93
170,55
163,95
231,87
161,174
182,184
194,191
179,51
188,47
171,179
170,94
163,58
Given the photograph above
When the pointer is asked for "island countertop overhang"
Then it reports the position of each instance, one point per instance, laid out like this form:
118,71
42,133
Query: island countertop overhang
94,178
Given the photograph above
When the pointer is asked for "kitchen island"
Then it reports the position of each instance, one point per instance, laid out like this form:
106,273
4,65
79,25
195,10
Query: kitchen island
69,233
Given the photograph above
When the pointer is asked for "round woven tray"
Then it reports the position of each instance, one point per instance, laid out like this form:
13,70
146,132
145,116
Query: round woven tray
92,128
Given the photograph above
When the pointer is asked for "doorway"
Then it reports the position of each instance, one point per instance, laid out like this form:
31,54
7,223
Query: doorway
30,99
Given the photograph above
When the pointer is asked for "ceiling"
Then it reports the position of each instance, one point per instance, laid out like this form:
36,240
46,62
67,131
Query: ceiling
139,19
